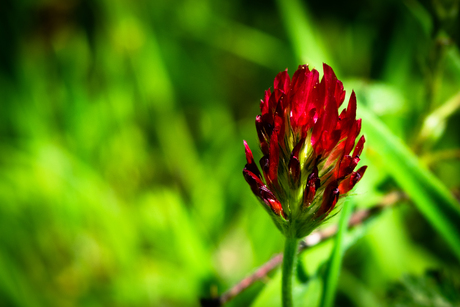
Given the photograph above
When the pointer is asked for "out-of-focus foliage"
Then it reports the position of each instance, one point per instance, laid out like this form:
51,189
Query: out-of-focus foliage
434,288
121,151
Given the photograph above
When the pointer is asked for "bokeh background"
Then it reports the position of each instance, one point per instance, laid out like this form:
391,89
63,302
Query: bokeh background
121,152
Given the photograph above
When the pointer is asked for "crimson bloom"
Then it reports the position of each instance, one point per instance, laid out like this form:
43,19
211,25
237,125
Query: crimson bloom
307,163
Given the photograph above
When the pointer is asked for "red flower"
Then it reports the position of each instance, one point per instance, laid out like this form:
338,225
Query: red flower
307,163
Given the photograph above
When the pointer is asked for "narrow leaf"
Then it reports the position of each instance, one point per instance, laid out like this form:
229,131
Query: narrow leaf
430,196
335,261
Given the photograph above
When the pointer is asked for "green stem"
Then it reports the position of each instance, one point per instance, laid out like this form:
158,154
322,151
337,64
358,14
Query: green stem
290,252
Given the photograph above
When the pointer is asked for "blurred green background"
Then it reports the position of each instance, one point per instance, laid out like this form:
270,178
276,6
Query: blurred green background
121,151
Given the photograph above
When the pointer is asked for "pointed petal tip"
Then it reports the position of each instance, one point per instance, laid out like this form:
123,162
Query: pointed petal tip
359,147
362,170
248,152
357,176
253,180
330,198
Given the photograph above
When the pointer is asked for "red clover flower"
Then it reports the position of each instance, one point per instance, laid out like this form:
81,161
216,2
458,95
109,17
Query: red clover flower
307,163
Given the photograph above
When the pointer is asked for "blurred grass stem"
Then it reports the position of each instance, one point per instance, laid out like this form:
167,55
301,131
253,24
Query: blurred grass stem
358,218
289,258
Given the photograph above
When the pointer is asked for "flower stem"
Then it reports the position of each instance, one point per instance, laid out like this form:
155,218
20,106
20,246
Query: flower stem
290,252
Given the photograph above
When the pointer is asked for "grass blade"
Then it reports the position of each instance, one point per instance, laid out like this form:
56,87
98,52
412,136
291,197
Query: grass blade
430,196
307,47
335,261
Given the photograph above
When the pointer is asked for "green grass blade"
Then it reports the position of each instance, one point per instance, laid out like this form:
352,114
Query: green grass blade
335,261
430,196
308,47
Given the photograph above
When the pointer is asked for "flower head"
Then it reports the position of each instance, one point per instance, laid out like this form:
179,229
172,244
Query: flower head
308,163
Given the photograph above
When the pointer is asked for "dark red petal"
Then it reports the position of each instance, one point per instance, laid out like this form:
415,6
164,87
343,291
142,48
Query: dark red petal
279,121
270,200
253,180
330,198
359,147
330,81
264,131
249,157
317,132
313,184
339,93
251,165
264,104
354,132
273,157
348,184
282,81
303,98
331,114
294,172
351,108
348,117
311,92
321,97
264,164
330,140
356,176
330,78
298,77
347,166
310,122
294,165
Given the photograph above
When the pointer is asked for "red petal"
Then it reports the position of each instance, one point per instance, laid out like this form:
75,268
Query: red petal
298,77
282,81
351,108
330,82
249,157
339,93
264,104
330,198
359,147
356,176
264,163
294,165
303,98
331,140
254,182
311,121
273,158
317,131
354,132
331,114
348,184
264,131
269,198
251,165
347,166
294,172
313,184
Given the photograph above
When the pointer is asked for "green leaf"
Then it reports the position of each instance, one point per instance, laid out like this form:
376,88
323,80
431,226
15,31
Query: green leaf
430,196
335,261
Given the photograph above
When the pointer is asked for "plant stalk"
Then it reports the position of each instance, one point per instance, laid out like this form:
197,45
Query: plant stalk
289,258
